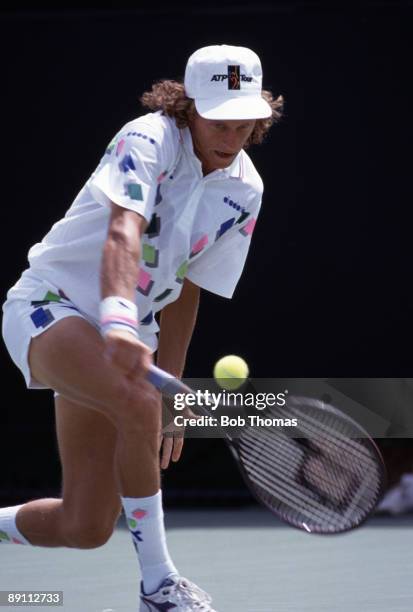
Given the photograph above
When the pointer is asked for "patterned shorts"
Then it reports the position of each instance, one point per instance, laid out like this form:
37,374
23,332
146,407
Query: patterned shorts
28,312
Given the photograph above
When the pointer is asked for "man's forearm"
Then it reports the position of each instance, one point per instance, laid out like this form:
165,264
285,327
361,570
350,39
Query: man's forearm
177,325
121,252
119,269
118,276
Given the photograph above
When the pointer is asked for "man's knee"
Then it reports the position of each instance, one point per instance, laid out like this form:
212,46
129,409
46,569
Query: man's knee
83,530
139,414
88,533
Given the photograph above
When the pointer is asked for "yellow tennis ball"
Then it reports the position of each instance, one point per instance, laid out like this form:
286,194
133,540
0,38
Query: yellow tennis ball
230,372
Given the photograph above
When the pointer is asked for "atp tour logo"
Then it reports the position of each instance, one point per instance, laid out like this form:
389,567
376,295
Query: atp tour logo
234,77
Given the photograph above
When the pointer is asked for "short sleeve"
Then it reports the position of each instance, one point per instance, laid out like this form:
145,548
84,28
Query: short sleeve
219,269
129,171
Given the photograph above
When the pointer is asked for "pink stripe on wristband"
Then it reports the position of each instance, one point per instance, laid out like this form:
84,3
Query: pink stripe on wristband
118,313
120,319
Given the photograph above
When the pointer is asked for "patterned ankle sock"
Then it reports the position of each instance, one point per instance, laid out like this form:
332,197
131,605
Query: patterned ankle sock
144,516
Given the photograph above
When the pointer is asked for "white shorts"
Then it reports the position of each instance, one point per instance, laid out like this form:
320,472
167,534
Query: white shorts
32,306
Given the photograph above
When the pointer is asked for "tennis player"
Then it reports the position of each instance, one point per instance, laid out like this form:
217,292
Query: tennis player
170,209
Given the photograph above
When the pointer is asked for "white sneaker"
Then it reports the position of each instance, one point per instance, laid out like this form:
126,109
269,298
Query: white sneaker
176,594
399,499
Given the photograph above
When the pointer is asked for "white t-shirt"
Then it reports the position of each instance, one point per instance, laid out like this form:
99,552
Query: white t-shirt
199,226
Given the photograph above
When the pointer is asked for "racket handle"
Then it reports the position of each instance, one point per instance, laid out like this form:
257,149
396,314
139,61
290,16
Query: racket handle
165,382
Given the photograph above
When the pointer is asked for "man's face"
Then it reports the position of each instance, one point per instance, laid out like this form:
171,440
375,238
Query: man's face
217,143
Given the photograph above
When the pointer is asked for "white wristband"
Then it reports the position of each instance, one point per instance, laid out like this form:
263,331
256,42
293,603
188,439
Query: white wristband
118,313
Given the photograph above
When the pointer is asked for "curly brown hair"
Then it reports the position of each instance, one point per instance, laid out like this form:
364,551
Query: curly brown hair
169,96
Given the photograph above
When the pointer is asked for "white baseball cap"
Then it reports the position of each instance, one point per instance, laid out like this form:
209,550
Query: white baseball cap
225,83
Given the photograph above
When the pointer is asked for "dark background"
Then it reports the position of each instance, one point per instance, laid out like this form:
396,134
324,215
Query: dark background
327,287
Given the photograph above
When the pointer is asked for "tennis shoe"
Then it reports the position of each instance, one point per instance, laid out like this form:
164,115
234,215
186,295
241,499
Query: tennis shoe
176,594
399,499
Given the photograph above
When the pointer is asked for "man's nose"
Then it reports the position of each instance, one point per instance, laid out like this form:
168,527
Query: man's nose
231,141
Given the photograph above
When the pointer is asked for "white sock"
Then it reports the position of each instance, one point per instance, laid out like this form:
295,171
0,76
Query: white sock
144,516
8,529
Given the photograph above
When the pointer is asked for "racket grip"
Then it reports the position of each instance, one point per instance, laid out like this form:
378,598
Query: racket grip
165,382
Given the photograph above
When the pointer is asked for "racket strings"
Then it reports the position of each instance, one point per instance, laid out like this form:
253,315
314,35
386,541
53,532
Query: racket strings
329,479
353,463
273,436
312,485
345,434
330,471
280,481
297,506
357,452
284,474
274,481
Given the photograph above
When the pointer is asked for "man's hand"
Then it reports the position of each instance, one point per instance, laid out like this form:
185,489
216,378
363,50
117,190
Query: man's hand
171,447
172,436
127,353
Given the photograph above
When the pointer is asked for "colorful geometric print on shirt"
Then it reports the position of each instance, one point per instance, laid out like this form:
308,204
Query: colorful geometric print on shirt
198,227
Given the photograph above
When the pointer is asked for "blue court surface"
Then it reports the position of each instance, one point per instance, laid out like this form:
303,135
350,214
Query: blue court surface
246,559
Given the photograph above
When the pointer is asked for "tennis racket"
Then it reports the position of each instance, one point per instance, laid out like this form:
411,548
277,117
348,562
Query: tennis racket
325,477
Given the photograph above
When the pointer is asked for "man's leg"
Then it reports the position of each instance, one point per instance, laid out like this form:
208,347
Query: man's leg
88,512
68,357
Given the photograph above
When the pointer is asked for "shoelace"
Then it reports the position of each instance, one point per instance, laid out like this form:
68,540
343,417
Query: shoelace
188,593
